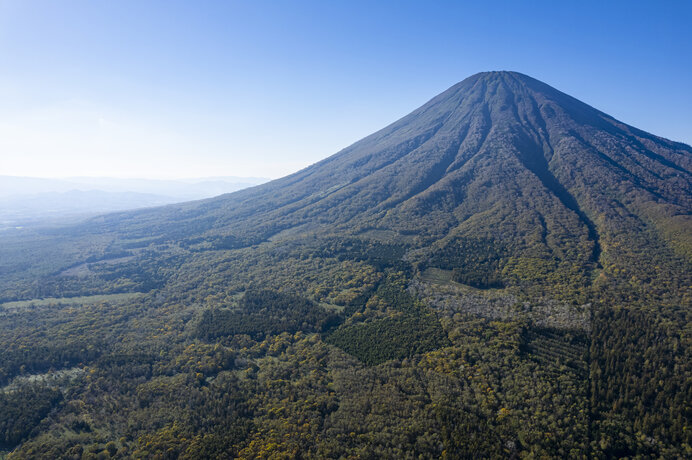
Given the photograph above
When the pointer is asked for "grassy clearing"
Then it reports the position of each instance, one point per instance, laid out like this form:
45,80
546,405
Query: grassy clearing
48,301
331,307
442,280
438,276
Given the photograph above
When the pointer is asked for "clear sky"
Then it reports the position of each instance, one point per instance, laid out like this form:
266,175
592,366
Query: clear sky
168,89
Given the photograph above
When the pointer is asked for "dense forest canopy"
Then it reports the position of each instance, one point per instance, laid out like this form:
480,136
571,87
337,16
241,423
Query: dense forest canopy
505,272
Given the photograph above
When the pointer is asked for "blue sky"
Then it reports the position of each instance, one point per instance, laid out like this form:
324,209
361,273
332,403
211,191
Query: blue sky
262,88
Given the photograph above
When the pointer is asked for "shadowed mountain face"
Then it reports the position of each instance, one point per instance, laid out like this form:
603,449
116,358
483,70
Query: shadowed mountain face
502,250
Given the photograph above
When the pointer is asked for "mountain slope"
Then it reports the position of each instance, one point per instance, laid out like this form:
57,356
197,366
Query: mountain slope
508,269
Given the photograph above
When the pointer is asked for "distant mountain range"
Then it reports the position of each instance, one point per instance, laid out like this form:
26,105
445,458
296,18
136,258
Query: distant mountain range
506,272
35,201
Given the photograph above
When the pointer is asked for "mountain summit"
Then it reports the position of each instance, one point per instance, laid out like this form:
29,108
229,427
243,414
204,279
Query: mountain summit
506,272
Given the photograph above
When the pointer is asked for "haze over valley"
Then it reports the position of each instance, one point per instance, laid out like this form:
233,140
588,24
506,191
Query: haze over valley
29,201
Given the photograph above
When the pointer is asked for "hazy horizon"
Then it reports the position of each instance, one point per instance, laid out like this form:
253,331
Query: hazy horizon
31,201
147,178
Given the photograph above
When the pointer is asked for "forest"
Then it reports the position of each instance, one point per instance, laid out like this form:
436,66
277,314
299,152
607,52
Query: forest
270,372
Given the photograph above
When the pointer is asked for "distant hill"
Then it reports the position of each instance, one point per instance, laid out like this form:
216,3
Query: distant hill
506,272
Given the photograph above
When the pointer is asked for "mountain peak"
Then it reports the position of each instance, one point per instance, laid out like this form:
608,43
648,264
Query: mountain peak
501,76
505,83
491,74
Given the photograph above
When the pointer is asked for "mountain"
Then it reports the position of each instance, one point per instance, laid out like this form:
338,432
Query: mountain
508,270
